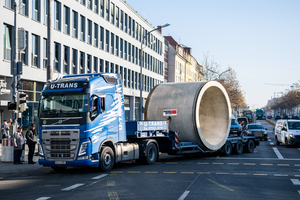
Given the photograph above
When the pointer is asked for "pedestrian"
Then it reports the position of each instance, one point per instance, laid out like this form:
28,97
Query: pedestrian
31,137
5,130
19,143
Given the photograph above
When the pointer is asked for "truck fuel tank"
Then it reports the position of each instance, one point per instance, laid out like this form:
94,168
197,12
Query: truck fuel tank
202,111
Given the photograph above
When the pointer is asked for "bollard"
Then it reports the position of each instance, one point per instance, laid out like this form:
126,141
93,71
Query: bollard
7,150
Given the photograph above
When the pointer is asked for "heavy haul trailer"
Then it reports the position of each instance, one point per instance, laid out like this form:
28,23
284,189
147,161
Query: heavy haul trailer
82,121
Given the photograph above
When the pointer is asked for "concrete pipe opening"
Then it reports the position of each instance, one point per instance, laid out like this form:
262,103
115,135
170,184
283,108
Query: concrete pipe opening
203,111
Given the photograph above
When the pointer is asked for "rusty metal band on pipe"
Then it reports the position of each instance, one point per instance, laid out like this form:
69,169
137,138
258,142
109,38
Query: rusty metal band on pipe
203,111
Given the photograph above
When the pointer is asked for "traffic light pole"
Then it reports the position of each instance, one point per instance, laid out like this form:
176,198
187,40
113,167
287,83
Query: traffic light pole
14,62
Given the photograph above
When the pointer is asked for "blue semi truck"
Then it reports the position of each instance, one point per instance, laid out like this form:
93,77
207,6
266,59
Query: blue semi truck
82,123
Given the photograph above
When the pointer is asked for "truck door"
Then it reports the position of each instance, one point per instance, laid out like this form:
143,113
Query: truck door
113,118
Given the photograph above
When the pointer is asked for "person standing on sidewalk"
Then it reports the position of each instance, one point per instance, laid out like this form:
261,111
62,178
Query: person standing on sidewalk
19,143
31,137
5,130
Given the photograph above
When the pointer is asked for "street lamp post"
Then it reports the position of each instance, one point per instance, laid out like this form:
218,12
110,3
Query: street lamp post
141,68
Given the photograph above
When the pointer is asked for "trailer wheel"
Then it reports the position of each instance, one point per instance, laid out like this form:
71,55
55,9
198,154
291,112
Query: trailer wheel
227,148
106,159
151,154
239,147
250,146
59,168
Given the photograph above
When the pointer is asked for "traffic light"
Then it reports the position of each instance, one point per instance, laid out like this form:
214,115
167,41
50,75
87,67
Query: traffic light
11,106
21,101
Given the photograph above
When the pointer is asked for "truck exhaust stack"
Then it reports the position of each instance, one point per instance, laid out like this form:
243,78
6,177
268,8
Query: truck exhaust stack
203,111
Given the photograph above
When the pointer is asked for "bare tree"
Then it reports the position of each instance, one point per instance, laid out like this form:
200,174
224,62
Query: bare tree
210,68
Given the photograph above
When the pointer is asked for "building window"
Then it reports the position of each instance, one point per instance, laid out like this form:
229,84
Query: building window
101,65
96,34
66,20
95,68
107,10
90,4
136,55
107,41
125,50
57,15
96,6
136,31
133,28
125,25
102,8
82,28
117,45
9,4
136,80
117,16
132,79
129,52
112,68
36,10
107,66
35,51
129,78
82,2
74,61
75,24
82,62
112,43
101,37
121,47
112,12
45,11
66,59
140,33
89,30
129,25
132,53
7,41
45,58
56,57
89,64
23,7
121,74
121,19
125,77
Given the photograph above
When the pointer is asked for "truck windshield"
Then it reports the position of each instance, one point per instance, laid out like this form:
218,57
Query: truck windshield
294,125
64,103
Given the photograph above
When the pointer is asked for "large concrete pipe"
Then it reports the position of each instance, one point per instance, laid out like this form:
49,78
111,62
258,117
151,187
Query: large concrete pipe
203,111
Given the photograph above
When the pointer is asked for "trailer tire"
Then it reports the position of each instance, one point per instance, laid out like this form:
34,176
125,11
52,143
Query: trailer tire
59,168
151,154
107,159
239,147
250,146
227,148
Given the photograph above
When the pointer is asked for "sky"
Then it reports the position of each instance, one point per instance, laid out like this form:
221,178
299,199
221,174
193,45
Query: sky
258,39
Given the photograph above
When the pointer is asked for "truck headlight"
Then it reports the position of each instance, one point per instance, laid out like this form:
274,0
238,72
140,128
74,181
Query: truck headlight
83,148
291,135
40,149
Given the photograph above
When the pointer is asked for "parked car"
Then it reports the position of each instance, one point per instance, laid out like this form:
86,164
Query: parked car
269,117
294,117
235,128
287,132
256,130
277,117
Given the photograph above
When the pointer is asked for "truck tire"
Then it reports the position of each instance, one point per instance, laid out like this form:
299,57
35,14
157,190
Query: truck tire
107,159
277,142
59,168
250,146
227,148
151,154
239,147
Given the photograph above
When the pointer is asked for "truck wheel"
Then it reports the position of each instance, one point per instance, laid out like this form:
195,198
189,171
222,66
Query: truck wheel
277,142
227,148
59,168
239,147
151,154
106,159
250,146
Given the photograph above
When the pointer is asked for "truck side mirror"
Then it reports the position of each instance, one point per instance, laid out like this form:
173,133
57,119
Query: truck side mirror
94,111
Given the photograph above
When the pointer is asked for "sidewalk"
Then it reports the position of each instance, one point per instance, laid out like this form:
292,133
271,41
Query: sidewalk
11,168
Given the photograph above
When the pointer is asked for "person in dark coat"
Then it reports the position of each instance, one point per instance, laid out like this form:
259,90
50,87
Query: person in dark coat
31,137
19,143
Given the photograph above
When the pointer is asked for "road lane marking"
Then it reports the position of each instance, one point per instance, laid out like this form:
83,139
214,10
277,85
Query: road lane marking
171,163
271,143
223,186
240,174
202,163
280,175
218,163
260,174
249,163
151,172
116,172
283,164
113,196
203,172
233,163
43,198
278,154
295,181
182,197
266,164
133,172
73,187
296,165
170,172
100,176
222,173
187,172
110,183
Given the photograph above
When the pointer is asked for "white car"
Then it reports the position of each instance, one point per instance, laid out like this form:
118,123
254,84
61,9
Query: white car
287,132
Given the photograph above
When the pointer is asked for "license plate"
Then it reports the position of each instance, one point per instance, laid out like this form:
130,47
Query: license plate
234,131
60,162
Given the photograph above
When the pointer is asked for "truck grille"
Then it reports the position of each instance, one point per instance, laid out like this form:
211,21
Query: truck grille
60,144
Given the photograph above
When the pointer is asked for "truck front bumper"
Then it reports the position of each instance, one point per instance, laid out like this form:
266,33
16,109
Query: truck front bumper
74,163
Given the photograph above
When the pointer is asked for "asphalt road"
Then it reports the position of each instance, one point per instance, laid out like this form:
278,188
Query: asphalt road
270,172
